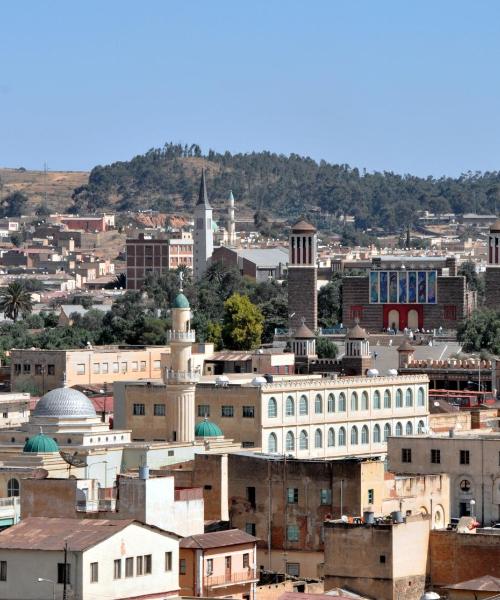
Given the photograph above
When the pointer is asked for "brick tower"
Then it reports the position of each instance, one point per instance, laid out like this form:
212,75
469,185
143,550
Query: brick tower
302,277
492,279
357,359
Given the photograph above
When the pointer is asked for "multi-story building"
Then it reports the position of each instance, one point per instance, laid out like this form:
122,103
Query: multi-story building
260,264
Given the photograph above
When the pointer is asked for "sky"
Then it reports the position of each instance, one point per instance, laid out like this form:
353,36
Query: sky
404,86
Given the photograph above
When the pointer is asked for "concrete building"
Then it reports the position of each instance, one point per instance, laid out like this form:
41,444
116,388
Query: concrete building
203,231
470,459
260,264
119,559
220,564
271,361
14,409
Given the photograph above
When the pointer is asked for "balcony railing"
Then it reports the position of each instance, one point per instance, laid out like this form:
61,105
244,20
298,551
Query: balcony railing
7,502
247,576
95,505
181,336
181,376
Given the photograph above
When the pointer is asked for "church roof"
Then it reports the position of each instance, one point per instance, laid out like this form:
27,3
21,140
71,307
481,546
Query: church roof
495,228
203,196
303,226
40,444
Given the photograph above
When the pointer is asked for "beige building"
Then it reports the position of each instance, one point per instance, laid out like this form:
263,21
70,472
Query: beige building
471,461
14,409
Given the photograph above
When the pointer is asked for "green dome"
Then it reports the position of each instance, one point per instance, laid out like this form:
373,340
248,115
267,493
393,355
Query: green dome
180,301
207,429
41,443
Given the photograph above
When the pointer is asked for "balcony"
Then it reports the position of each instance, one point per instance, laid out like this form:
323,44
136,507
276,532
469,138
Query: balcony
172,376
248,576
181,336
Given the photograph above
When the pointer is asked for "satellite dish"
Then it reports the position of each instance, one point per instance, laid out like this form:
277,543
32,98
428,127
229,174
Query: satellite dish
436,403
73,459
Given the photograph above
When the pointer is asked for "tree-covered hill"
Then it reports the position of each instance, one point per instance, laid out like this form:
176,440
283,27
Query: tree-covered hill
167,179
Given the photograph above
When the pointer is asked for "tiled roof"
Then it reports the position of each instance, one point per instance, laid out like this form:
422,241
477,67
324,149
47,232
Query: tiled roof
486,583
218,539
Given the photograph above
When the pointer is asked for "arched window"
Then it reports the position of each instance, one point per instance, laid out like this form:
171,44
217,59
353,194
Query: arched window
421,427
290,441
354,436
409,397
303,440
421,396
365,405
409,428
331,403
272,443
331,437
376,399
387,431
354,401
399,429
342,402
303,408
387,399
399,398
272,408
376,434
318,404
365,436
342,440
12,488
318,438
290,407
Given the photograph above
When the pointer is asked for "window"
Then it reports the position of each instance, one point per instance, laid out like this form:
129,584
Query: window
248,412
387,399
27,368
147,564
117,569
250,528
143,365
342,438
464,457
354,401
293,569
303,408
80,369
399,398
272,408
3,570
318,438
129,567
382,559
292,495
96,368
38,370
409,397
387,431
156,365
342,402
63,572
12,488
435,456
203,410
421,427
139,410
290,441
17,368
124,367
365,436
116,367
210,566
182,566
354,436
227,411
290,407
406,455
318,404
331,437
104,368
51,369
303,440
409,428
159,410
399,429
246,560
135,365
292,533
94,572
376,399
421,396
376,434
272,443
330,405
325,496
138,565
371,496
365,403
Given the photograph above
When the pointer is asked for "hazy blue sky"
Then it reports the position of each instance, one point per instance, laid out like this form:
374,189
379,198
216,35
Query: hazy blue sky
409,86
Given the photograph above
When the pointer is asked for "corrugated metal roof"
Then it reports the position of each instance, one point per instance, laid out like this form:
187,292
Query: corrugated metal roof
265,257
218,539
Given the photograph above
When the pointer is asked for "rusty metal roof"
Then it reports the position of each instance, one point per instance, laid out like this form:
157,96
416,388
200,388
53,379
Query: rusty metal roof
218,539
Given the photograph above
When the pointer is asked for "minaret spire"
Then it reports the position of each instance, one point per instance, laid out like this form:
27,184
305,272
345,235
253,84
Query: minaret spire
203,233
203,196
231,222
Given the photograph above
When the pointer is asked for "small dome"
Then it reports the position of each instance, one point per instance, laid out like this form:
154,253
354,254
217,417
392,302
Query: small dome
303,332
180,301
303,226
40,444
64,402
357,333
207,429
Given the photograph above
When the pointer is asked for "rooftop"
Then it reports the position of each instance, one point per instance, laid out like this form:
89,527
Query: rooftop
486,583
218,539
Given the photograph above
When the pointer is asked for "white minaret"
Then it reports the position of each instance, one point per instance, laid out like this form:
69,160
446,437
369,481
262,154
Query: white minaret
231,225
203,234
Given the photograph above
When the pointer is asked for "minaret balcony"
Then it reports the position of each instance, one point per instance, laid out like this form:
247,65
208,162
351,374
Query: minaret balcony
181,336
172,376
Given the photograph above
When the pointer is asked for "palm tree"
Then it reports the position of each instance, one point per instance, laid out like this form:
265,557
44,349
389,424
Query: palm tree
15,300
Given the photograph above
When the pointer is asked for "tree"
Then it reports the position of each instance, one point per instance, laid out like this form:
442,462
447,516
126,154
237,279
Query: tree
481,332
325,348
330,302
242,325
474,281
15,300
13,205
16,239
42,210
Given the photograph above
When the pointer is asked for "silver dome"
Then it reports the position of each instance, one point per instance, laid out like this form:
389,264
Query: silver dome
64,402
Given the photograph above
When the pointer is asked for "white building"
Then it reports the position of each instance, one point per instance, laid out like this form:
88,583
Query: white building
203,232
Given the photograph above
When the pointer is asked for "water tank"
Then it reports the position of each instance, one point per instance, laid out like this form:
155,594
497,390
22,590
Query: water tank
372,373
397,516
259,381
222,379
144,472
392,372
369,517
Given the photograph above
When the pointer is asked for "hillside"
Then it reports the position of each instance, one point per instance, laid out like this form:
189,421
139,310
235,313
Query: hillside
58,185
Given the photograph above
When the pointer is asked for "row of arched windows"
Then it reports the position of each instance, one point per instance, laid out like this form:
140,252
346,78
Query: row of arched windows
357,403
339,437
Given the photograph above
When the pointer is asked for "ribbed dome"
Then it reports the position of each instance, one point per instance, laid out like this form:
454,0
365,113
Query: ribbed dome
64,402
180,301
40,444
207,429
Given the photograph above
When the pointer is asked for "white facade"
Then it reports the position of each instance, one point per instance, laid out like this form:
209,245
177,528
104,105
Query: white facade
203,233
